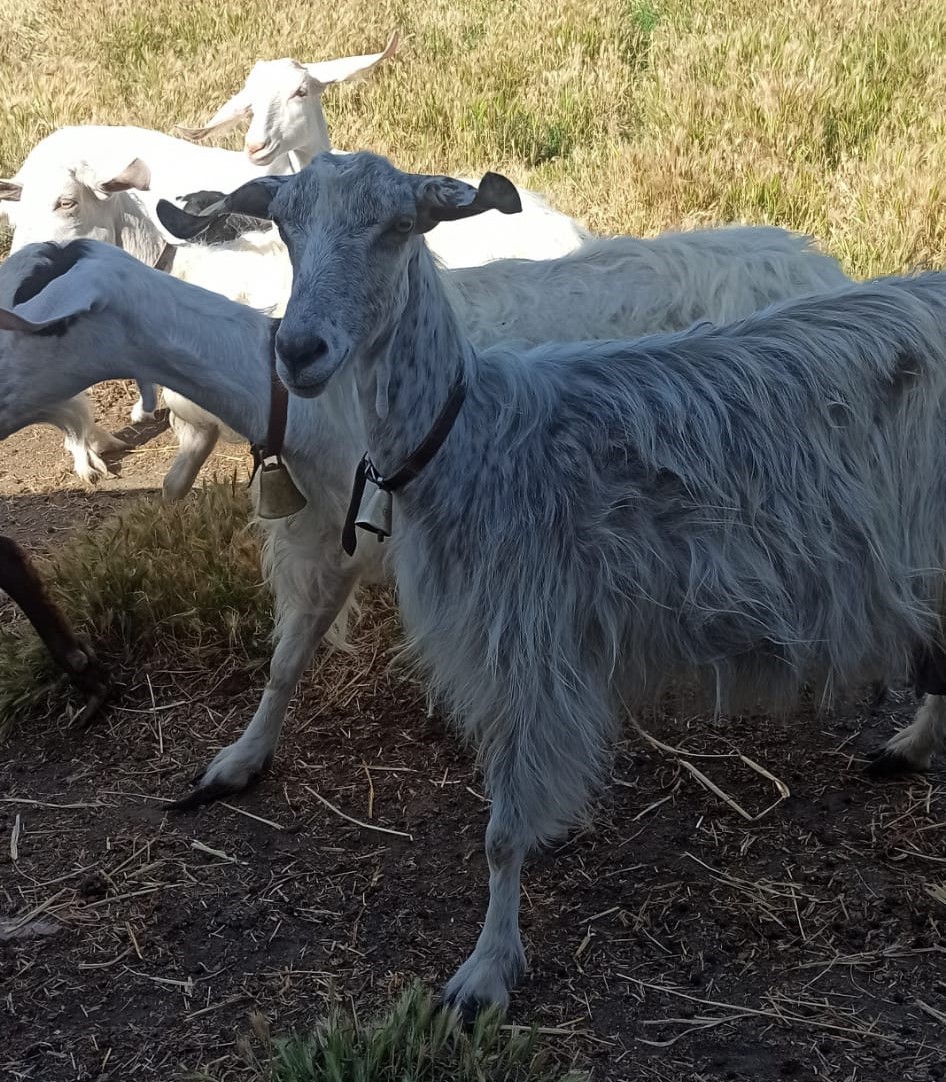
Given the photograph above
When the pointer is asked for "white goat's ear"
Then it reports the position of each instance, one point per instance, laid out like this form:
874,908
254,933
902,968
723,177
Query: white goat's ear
445,199
135,175
228,116
13,321
10,190
327,72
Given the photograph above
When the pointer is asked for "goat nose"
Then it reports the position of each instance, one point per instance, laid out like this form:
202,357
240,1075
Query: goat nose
254,148
299,352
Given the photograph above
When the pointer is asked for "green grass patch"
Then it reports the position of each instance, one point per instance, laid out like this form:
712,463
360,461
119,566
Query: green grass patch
413,1042
169,579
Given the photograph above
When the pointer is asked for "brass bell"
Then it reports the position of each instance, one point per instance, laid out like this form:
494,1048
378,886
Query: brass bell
274,492
375,512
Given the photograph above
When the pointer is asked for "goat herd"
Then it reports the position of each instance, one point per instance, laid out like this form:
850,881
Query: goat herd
751,498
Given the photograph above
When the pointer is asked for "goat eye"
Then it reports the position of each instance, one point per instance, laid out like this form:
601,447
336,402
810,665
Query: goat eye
65,204
301,92
403,225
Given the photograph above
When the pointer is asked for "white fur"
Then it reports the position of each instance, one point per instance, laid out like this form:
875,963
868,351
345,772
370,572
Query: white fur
668,281
282,102
113,210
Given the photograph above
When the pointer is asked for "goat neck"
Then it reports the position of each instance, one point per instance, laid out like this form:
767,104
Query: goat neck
403,388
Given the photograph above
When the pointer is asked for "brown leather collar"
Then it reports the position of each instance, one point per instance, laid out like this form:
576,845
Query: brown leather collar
278,410
165,260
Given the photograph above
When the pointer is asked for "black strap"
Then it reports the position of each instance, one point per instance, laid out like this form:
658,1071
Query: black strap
278,410
409,468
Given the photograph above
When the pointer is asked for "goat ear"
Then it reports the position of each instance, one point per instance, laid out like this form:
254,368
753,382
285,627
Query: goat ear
327,72
62,299
10,190
136,174
252,199
228,116
445,199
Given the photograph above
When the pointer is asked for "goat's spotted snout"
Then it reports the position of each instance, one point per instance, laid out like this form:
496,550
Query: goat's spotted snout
306,361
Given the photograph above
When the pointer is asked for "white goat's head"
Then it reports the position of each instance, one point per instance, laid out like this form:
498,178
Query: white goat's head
282,99
63,200
352,224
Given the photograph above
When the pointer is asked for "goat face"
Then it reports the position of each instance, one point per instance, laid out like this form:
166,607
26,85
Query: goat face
352,226
64,201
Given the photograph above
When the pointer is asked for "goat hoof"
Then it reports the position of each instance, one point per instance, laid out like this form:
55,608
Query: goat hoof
483,981
203,794
464,1013
206,792
91,710
885,762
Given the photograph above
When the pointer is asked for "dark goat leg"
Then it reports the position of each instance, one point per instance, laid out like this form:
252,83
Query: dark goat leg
20,579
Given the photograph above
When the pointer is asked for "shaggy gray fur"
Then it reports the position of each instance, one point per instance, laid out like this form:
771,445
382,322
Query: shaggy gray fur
759,504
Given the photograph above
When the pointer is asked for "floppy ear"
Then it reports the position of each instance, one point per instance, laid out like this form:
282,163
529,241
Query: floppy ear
252,199
135,175
445,199
60,299
228,116
327,72
10,190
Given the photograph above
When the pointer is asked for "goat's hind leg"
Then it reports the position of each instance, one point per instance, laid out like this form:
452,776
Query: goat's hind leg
146,406
911,750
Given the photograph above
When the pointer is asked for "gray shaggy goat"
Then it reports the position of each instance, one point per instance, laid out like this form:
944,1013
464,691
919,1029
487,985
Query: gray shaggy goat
756,505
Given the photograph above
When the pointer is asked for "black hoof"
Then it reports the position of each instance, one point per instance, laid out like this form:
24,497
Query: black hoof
92,709
204,794
885,763
465,1013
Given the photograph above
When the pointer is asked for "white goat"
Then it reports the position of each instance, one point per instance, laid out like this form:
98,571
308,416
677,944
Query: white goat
755,505
282,99
64,199
730,270
61,193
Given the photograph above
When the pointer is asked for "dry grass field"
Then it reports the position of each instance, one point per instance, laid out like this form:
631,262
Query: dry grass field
672,939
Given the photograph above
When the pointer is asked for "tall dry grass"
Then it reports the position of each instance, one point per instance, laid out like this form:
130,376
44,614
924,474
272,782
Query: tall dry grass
635,115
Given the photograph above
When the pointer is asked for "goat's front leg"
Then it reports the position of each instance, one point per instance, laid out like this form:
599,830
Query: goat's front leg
546,750
498,960
300,631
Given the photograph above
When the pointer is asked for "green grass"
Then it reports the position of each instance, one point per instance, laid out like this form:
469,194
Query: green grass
413,1042
173,579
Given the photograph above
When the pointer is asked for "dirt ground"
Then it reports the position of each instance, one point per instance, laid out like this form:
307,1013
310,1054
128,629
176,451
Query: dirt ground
672,939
